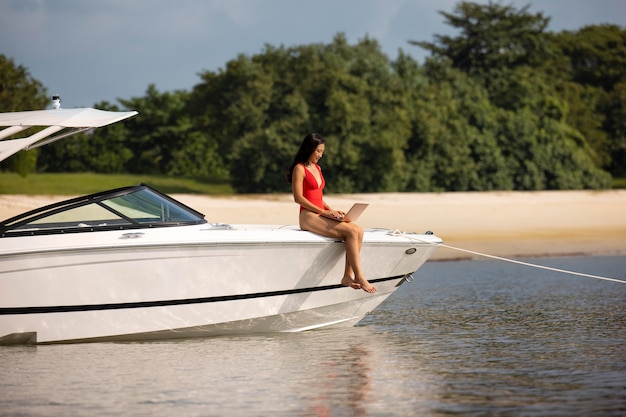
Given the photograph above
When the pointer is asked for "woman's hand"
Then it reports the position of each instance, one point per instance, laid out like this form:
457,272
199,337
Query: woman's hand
336,214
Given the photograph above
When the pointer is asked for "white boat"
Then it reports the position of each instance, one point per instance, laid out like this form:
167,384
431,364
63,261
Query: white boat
134,264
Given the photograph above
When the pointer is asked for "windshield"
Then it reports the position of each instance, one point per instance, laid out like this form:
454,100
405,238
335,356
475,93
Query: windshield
132,207
146,207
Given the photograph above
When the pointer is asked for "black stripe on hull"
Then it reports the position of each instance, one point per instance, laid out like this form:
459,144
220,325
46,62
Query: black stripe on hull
164,303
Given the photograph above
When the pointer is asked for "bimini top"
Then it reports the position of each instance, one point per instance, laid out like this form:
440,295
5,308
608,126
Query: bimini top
70,120
135,207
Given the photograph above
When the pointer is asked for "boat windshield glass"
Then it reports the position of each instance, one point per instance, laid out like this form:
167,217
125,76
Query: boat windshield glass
142,207
147,207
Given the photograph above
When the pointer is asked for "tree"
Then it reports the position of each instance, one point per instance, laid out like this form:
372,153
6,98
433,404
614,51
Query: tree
232,102
597,54
163,139
529,71
344,92
615,125
456,145
102,150
597,70
19,91
492,36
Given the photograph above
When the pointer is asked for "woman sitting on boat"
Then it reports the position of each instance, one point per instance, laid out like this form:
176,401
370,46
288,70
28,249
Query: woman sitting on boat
307,183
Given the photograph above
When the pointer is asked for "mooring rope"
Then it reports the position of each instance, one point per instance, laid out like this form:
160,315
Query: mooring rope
565,271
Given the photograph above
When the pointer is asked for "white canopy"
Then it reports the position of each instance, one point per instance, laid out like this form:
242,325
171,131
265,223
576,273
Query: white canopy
56,120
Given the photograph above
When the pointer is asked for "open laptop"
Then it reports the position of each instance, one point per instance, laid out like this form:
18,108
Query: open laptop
352,214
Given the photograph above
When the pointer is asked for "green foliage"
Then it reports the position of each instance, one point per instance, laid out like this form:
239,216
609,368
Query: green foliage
597,55
72,184
614,107
560,78
164,140
597,68
258,162
503,105
267,103
160,140
22,163
101,150
492,36
545,154
619,183
18,92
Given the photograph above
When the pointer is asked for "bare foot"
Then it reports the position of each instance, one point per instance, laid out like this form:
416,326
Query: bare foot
347,281
365,285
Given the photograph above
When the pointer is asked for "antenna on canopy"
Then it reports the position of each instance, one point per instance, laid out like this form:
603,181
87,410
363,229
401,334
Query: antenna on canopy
56,101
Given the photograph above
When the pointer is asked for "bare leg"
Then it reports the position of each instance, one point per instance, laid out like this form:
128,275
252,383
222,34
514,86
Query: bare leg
348,276
352,234
354,240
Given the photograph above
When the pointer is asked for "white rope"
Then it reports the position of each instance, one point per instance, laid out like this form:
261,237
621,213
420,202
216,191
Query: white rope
413,238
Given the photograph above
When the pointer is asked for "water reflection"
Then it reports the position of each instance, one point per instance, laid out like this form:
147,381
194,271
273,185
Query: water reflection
341,385
363,372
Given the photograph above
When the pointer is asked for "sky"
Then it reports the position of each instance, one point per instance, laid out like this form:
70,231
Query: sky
90,51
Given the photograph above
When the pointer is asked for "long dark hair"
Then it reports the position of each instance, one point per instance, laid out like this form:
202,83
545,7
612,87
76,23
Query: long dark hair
308,146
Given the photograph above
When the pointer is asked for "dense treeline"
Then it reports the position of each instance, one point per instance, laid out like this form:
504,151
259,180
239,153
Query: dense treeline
503,105
19,91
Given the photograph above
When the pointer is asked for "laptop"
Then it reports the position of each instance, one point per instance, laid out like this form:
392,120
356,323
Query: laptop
353,214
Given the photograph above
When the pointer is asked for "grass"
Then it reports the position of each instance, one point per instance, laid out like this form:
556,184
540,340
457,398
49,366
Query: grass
619,183
72,184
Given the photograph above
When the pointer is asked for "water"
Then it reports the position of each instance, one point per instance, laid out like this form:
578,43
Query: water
481,338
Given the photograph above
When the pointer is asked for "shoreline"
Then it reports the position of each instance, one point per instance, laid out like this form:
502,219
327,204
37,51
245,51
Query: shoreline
507,224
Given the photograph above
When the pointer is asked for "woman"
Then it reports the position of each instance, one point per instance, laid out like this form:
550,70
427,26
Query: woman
307,183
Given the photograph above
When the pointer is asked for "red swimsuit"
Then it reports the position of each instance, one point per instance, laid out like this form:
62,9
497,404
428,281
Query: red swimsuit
311,190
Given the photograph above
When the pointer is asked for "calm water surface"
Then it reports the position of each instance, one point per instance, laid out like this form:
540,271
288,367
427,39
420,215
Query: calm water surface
480,338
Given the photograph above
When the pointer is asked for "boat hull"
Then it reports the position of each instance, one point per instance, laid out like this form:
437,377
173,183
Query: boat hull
166,283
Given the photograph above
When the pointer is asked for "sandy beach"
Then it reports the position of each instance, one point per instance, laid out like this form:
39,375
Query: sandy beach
508,224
